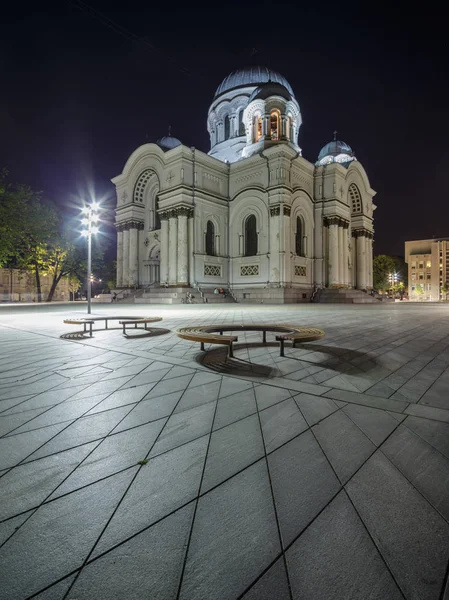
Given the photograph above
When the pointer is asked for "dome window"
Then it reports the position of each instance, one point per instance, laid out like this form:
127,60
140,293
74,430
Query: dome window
274,125
227,127
241,124
258,128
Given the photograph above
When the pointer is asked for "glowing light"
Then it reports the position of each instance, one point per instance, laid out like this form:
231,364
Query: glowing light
85,221
84,233
94,229
85,210
95,206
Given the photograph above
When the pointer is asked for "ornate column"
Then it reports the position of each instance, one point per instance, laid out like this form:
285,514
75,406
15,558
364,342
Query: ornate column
333,250
266,127
369,253
125,272
183,258
361,260
134,252
119,256
173,248
346,255
341,264
191,249
164,248
274,275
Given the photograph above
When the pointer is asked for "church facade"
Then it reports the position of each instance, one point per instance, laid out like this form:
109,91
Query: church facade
252,212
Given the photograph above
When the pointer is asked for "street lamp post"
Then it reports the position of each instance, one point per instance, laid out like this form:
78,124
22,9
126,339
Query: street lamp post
90,220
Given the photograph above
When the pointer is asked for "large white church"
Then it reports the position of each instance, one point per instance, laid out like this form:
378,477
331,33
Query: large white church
250,214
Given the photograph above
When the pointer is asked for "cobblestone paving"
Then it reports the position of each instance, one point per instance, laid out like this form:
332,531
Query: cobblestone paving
132,469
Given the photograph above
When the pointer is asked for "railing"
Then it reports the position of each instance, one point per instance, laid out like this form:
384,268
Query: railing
198,289
231,293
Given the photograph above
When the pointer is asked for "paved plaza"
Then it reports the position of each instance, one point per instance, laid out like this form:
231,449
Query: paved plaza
132,469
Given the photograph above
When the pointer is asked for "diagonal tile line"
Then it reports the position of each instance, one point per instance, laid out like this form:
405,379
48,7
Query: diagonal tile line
421,437
121,500
343,488
281,544
196,500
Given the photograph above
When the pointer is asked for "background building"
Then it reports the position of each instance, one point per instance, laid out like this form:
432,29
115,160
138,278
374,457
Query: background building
252,213
19,286
428,268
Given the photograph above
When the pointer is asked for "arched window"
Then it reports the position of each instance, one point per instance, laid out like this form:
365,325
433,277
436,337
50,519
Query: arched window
355,198
241,123
274,125
257,128
251,236
227,127
299,243
210,239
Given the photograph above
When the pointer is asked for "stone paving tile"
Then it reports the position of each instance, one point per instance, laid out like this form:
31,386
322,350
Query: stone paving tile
9,527
232,386
376,424
163,485
436,434
299,471
280,423
231,449
185,426
199,395
15,448
424,467
411,536
9,423
83,430
149,565
116,452
150,409
367,400
344,444
78,517
235,407
29,484
234,537
123,397
272,585
335,558
58,591
267,395
428,412
315,408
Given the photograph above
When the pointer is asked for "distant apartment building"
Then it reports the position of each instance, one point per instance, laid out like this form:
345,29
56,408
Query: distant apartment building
428,268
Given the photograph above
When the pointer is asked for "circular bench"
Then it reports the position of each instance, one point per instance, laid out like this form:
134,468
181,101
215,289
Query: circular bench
123,321
207,334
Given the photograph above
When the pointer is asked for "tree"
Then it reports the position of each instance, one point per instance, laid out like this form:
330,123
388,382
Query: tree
445,289
419,290
383,265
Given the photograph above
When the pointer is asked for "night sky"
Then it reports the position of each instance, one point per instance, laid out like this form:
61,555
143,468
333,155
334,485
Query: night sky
79,94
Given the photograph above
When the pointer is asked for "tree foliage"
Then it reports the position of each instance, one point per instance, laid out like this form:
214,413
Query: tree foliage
383,265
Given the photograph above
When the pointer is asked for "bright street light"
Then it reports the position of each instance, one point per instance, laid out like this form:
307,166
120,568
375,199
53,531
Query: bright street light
92,217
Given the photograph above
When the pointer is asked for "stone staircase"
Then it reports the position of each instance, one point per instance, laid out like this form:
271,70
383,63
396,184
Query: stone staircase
344,296
172,295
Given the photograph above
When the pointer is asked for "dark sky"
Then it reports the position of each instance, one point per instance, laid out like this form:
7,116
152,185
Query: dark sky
77,97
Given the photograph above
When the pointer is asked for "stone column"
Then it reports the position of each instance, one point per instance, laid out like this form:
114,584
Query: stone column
369,254
133,256
266,127
274,275
125,278
191,249
361,261
164,248
183,258
173,248
119,258
341,264
333,251
346,255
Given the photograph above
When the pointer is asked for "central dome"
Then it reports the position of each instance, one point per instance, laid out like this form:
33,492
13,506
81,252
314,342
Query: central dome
251,76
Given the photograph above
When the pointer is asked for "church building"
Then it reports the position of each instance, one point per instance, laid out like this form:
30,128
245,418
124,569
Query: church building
252,213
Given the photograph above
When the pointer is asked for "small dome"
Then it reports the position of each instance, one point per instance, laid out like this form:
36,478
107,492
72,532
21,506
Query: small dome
269,89
168,142
335,151
251,76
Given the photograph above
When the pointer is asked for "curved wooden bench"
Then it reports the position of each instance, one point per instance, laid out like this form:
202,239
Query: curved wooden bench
84,322
120,318
136,322
207,334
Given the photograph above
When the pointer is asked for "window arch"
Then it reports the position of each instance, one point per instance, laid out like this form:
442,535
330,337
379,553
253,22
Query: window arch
290,128
157,218
258,128
227,127
241,124
250,236
299,237
355,198
210,239
275,125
